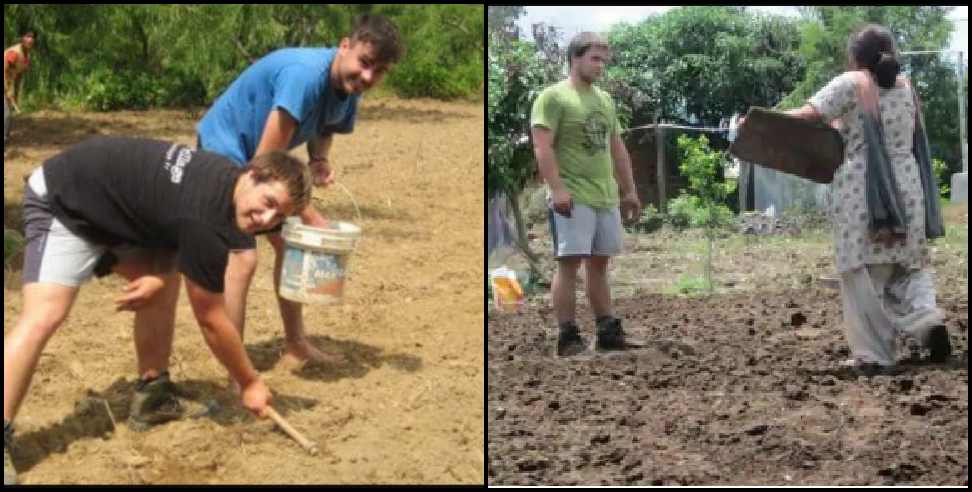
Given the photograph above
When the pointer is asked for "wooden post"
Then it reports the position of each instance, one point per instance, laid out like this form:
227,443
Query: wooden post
660,163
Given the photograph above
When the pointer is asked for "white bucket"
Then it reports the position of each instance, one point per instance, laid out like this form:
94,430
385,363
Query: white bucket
316,261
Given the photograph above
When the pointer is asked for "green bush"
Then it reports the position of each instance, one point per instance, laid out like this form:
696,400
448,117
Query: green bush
110,90
690,285
688,211
650,220
13,243
944,177
684,210
429,78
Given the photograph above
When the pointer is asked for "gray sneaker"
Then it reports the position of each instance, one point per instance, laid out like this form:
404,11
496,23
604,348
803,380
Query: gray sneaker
9,472
155,402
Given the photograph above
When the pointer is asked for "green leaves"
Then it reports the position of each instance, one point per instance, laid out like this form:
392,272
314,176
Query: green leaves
706,62
516,75
133,56
824,32
703,168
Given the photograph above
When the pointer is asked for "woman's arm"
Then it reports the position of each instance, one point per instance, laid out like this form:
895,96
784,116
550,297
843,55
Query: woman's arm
807,112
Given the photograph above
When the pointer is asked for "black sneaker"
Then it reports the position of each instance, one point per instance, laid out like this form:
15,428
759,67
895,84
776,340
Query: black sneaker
610,336
871,369
155,402
569,342
9,472
938,344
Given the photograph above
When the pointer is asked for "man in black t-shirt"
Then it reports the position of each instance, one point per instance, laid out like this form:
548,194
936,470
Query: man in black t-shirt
137,199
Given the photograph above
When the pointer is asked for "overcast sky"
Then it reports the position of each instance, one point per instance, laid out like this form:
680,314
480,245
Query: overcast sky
576,19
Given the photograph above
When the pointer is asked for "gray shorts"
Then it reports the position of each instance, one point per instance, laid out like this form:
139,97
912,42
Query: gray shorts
587,232
54,254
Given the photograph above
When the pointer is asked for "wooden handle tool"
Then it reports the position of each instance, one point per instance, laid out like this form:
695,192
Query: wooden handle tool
297,436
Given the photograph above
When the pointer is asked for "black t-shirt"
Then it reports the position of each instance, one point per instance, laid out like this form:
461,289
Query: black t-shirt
150,194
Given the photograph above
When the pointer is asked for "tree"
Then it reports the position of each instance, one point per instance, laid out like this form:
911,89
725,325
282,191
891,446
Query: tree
517,73
824,35
106,57
501,18
703,166
700,64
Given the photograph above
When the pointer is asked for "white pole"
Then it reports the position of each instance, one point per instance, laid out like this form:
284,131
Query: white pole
961,100
959,188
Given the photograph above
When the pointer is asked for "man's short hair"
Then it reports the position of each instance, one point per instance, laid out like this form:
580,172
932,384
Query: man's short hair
583,42
281,166
382,34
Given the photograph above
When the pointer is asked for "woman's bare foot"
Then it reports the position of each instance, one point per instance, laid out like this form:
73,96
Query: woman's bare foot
297,355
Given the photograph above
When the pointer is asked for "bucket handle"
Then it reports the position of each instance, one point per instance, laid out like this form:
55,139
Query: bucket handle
354,202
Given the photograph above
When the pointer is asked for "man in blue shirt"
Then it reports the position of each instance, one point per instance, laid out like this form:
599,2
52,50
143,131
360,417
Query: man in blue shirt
287,98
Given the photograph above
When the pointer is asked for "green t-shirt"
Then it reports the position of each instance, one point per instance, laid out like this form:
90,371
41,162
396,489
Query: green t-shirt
582,123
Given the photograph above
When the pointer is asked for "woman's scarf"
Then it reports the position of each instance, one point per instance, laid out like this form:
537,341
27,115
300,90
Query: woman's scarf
886,214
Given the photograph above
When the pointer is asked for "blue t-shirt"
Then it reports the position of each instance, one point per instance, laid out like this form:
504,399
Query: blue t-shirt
296,80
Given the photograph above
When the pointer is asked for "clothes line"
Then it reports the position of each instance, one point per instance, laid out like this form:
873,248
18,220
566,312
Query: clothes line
666,125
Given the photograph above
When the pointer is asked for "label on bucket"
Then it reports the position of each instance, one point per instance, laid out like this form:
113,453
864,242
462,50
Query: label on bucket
313,276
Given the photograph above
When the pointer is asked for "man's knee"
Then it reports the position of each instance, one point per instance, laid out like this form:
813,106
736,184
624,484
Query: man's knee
40,324
569,266
598,264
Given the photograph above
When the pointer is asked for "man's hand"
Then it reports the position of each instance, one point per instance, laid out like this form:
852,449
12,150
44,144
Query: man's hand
138,293
317,220
630,208
562,202
311,217
321,172
257,397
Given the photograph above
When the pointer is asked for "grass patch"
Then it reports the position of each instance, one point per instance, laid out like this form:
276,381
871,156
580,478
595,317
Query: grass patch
688,285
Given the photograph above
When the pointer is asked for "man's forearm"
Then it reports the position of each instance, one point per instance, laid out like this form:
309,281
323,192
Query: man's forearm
549,170
225,343
622,169
318,148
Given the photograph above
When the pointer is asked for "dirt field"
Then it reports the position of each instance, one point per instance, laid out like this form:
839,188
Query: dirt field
740,388
409,406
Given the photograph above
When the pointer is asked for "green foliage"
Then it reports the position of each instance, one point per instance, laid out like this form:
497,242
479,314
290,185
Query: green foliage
824,32
703,168
703,63
685,211
501,17
442,63
13,243
516,75
135,56
691,285
944,176
650,221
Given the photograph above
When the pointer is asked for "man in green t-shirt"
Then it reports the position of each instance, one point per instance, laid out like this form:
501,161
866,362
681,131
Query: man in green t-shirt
581,157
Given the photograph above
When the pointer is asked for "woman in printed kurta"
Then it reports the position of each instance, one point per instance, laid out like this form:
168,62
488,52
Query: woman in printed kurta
886,280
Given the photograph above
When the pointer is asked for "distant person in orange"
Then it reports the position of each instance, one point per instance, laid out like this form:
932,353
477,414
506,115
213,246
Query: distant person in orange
16,61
